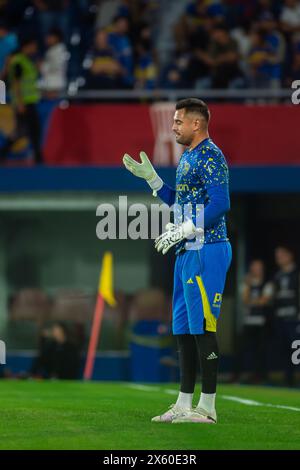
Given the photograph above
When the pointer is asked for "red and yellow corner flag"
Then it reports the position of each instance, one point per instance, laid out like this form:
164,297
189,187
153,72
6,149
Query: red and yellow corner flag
105,293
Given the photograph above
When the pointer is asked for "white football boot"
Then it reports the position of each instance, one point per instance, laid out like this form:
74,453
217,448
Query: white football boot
172,413
197,415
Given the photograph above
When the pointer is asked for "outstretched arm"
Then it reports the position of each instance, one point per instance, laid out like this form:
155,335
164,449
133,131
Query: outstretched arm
146,171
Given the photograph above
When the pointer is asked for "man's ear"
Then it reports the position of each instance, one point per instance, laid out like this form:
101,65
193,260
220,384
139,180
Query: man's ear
197,124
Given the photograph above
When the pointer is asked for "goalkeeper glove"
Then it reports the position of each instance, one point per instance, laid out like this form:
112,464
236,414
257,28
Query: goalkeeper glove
174,235
144,170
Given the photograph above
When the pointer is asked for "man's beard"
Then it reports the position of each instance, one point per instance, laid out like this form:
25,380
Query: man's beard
184,141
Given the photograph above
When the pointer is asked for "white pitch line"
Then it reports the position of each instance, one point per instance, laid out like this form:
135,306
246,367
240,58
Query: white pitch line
283,407
152,388
144,388
170,391
245,401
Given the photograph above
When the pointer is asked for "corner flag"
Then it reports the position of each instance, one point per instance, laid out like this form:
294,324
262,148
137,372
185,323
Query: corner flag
105,293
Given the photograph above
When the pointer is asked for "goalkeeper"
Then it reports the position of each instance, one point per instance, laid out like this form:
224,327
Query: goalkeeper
199,277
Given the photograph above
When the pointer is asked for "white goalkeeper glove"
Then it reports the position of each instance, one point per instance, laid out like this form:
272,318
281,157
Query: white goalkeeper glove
144,170
174,235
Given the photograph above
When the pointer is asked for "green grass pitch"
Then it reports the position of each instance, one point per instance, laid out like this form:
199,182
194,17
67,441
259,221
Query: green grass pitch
111,416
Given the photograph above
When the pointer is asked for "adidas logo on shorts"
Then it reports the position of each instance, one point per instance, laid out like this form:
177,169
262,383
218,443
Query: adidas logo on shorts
212,356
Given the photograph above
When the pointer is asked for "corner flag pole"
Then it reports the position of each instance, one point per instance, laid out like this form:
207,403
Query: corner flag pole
105,293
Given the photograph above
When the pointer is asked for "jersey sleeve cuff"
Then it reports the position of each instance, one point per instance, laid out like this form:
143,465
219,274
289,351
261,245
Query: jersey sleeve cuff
155,184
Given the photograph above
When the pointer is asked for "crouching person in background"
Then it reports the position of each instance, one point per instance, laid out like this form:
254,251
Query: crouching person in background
58,356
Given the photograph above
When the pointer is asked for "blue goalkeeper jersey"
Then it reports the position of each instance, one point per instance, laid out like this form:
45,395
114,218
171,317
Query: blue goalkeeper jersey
202,178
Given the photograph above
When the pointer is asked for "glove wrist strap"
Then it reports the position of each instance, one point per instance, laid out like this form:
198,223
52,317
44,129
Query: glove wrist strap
155,183
188,228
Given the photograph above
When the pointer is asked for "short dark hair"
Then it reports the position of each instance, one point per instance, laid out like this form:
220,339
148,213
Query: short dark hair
27,40
120,17
285,248
221,27
56,32
194,105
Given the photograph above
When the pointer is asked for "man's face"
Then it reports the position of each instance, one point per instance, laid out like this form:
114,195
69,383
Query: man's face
220,36
257,268
58,334
283,257
122,26
101,40
31,49
51,40
184,126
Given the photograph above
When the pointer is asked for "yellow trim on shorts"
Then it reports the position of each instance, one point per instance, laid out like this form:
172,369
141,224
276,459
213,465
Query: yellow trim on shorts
210,319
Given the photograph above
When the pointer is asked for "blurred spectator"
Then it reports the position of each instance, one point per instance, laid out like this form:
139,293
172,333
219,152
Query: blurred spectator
65,354
119,40
145,71
8,45
275,40
286,284
58,356
223,59
241,35
194,19
104,70
286,301
259,61
200,61
23,80
54,64
256,295
175,75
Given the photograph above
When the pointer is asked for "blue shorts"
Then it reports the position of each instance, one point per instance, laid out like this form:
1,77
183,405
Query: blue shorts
199,280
